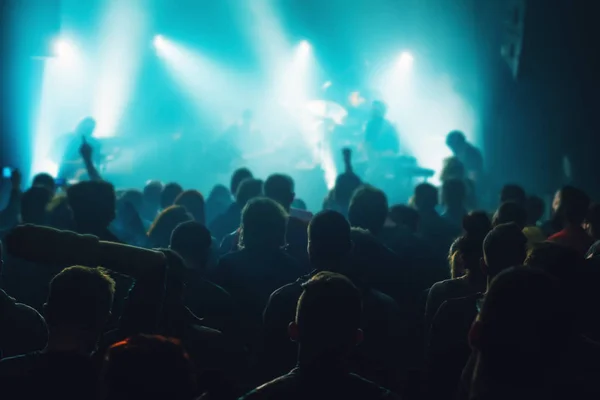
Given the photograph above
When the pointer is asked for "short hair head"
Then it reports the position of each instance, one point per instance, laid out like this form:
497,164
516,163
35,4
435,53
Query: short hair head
477,224
34,202
264,223
152,191
514,193
92,202
573,205
169,194
247,190
148,367
46,181
465,254
328,314
368,209
504,247
192,241
193,201
454,193
425,197
523,322
238,176
280,188
406,216
511,212
80,297
165,223
456,140
85,127
329,240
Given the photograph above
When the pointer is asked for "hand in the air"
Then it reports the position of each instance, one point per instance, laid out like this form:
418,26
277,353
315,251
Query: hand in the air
15,179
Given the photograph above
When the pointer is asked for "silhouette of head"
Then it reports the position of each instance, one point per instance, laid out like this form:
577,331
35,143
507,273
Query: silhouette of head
465,255
46,181
403,215
280,188
264,223
425,197
378,109
248,189
152,192
80,298
239,175
86,127
169,194
570,206
522,327
368,209
477,224
535,208
513,193
328,314
511,212
192,241
148,367
93,203
165,223
34,202
456,141
505,246
193,201
329,241
454,194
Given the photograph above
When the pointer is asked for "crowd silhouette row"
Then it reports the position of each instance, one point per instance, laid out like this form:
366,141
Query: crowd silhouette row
162,293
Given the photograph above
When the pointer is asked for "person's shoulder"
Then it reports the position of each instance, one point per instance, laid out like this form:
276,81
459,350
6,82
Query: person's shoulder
365,389
276,389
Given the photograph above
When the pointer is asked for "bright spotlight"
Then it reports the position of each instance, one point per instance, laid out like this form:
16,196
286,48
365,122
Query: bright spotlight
304,46
64,49
159,42
326,85
406,60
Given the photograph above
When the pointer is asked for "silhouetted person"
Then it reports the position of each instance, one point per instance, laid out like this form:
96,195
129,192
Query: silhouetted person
280,188
510,212
523,343
448,349
192,241
46,181
513,193
151,205
22,329
402,215
78,307
228,222
477,224
368,209
454,197
251,274
148,367
570,209
239,176
34,202
326,328
93,204
169,193
219,199
331,249
345,185
159,234
193,201
468,154
437,231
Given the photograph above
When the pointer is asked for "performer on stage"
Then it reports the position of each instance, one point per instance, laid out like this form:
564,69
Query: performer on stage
381,137
70,162
468,154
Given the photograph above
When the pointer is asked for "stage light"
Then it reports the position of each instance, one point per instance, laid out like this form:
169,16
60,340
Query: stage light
304,47
64,49
159,42
326,85
406,60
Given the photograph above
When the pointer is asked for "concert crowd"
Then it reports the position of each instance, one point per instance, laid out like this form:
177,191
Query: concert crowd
163,292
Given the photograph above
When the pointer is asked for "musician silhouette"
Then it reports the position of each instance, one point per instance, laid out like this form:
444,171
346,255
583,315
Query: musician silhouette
71,165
